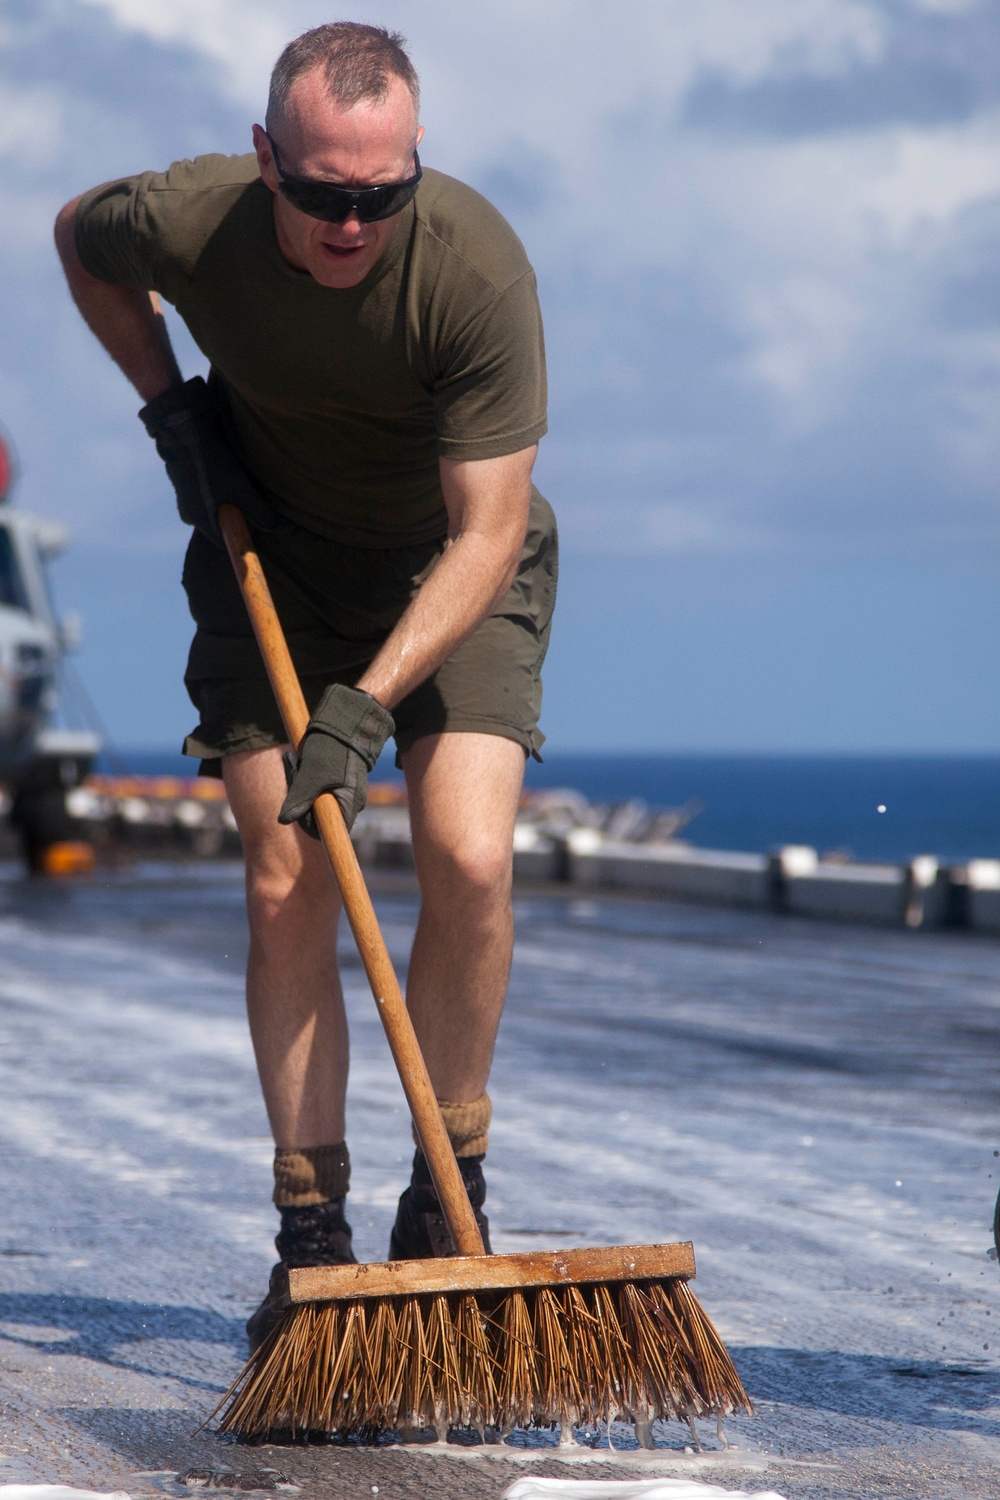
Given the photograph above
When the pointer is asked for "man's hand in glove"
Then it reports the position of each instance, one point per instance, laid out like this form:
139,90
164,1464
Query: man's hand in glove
186,424
341,745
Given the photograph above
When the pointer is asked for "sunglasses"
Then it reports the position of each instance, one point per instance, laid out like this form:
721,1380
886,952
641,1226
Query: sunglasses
333,203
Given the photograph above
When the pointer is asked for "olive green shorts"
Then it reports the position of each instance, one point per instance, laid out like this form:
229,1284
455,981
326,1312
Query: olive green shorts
337,604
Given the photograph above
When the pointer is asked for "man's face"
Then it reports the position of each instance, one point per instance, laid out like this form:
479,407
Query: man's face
368,144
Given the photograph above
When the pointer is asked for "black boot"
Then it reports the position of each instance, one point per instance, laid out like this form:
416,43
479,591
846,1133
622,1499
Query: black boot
420,1231
315,1236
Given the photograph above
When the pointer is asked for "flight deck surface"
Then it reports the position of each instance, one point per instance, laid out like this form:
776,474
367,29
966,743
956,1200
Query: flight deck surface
815,1107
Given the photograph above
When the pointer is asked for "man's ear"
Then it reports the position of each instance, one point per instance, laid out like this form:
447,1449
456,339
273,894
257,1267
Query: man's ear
265,157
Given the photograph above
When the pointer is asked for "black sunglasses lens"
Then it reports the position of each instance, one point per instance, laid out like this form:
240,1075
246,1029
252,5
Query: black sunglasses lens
333,204
318,200
384,202
322,200
325,200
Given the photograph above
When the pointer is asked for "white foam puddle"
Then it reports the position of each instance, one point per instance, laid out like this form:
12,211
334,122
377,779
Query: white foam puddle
537,1488
57,1492
31,1333
526,1449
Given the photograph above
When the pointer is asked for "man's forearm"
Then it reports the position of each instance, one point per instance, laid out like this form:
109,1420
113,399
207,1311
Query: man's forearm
126,320
471,578
488,503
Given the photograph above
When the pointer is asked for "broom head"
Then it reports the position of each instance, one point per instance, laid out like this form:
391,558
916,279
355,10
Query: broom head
495,1341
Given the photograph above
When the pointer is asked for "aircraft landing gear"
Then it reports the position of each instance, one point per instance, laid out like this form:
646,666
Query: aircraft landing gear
52,840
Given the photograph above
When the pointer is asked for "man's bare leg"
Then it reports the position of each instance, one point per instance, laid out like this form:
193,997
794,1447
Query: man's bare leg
296,1010
294,999
463,792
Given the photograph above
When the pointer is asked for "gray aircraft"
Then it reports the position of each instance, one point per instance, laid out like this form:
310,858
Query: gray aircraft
39,762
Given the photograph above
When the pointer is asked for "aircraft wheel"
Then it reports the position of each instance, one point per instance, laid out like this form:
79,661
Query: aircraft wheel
49,836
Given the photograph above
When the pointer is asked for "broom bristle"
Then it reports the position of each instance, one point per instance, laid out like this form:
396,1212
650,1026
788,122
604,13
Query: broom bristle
531,1358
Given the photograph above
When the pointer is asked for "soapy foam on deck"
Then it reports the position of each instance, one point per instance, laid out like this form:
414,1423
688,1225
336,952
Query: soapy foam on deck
57,1492
533,1488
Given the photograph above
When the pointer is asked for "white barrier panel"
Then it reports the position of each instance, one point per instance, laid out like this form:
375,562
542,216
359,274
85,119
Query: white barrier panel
381,836
672,869
982,877
915,895
535,856
794,879
852,893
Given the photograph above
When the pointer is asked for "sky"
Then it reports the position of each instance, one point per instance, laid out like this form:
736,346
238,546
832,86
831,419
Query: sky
767,237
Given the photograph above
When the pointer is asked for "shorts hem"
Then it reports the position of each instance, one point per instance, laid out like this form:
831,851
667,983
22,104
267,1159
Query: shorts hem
530,740
211,756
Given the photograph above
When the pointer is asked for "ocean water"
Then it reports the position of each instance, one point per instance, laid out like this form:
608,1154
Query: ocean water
943,805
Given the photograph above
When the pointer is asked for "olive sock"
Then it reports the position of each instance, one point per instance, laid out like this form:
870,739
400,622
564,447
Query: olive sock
467,1125
307,1175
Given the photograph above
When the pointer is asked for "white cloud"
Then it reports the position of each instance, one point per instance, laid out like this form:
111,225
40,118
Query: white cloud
803,235
245,37
507,54
945,7
31,124
26,224
736,293
774,343
693,527
930,175
968,429
804,328
668,527
832,201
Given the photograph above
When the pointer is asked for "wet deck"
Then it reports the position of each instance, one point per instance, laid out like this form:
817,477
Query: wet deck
817,1107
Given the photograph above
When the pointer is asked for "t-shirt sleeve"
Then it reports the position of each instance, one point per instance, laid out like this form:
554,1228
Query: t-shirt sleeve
490,399
113,238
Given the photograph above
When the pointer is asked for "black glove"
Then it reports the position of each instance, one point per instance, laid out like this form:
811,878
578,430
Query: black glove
341,745
186,424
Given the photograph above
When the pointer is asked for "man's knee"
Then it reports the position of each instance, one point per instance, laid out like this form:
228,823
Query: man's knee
476,867
277,887
464,791
289,880
288,887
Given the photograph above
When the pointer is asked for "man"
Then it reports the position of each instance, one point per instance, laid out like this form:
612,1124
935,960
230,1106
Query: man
376,394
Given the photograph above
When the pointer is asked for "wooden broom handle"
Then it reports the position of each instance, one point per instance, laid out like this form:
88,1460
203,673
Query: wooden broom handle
333,830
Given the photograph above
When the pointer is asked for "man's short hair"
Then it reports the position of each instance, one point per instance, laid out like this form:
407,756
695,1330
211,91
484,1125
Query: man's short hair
359,62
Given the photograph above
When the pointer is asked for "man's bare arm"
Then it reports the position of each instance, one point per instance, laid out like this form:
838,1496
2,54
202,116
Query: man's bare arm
127,321
487,501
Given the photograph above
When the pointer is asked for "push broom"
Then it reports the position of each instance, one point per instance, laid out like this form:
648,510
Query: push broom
481,1341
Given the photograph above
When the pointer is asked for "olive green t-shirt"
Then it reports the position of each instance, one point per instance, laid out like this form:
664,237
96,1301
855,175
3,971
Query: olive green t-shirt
342,401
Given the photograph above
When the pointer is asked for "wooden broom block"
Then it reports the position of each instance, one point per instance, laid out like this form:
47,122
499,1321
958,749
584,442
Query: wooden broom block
407,1278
